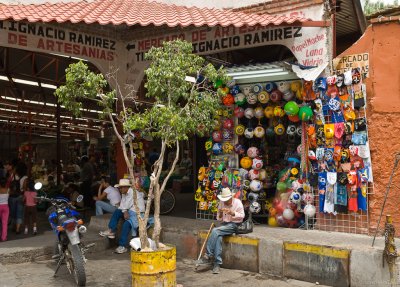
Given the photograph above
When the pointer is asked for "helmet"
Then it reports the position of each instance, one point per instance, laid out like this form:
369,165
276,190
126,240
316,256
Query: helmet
228,100
239,130
252,152
217,136
305,113
240,99
278,112
238,112
227,124
279,129
249,133
253,174
246,162
239,149
257,163
227,134
295,197
249,113
275,96
269,87
262,174
255,207
255,185
227,147
291,108
269,112
291,129
259,132
251,98
252,197
259,112
257,88
263,97
217,148
283,87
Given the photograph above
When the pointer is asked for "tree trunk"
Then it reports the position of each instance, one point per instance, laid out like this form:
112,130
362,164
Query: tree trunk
158,191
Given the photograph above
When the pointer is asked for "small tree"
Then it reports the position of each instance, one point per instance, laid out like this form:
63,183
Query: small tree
182,108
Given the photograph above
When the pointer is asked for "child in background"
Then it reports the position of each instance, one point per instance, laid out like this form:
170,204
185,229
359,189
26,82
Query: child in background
30,208
4,210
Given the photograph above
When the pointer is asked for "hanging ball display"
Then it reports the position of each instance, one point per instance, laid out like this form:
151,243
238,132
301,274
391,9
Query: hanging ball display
259,112
228,124
246,90
291,130
227,147
208,145
218,83
263,97
269,87
272,221
255,207
239,149
305,113
308,197
257,88
279,129
288,214
238,112
239,130
249,113
253,174
257,163
278,112
217,148
291,108
231,83
217,125
251,98
252,152
269,112
235,90
309,210
288,95
246,162
255,185
252,197
217,136
259,132
270,132
275,96
228,100
249,133
295,197
240,99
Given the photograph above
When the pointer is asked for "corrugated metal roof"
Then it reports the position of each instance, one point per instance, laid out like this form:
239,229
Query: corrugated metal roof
347,22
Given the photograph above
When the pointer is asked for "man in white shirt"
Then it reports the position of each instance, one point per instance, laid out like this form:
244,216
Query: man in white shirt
127,212
106,191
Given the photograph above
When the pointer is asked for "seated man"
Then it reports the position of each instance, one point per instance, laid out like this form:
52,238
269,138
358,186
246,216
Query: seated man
111,193
127,212
231,213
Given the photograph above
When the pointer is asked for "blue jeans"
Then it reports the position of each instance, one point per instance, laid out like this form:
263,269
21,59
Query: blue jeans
129,224
16,209
104,207
214,243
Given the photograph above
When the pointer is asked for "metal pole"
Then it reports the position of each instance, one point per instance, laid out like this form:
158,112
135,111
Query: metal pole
58,143
397,159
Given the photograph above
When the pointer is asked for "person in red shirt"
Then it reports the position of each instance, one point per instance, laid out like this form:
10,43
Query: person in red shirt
231,213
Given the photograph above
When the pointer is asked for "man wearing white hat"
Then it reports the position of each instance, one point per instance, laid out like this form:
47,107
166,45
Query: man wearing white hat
127,212
231,213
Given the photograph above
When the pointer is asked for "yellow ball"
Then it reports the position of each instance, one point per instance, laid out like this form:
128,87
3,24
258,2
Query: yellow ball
272,222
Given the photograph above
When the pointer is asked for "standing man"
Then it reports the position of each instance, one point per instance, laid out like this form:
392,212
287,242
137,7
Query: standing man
231,213
106,191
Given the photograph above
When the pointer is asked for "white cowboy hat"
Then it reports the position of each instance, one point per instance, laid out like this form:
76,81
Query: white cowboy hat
225,194
123,182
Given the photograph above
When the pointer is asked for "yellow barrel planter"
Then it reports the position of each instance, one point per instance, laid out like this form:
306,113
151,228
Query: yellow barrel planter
154,268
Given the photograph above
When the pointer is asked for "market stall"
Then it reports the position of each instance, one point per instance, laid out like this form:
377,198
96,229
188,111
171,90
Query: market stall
294,151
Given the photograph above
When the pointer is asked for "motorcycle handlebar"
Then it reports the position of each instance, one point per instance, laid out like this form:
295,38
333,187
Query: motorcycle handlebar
52,200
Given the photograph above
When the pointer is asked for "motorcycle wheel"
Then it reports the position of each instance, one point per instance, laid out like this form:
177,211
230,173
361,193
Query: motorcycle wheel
57,251
78,265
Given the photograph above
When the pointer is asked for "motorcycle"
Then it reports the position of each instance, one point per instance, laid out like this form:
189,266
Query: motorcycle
69,248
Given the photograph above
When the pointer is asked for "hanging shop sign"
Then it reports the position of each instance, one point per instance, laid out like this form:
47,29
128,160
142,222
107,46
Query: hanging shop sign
349,62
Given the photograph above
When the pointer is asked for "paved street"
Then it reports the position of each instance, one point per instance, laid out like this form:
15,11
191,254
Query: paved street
109,269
